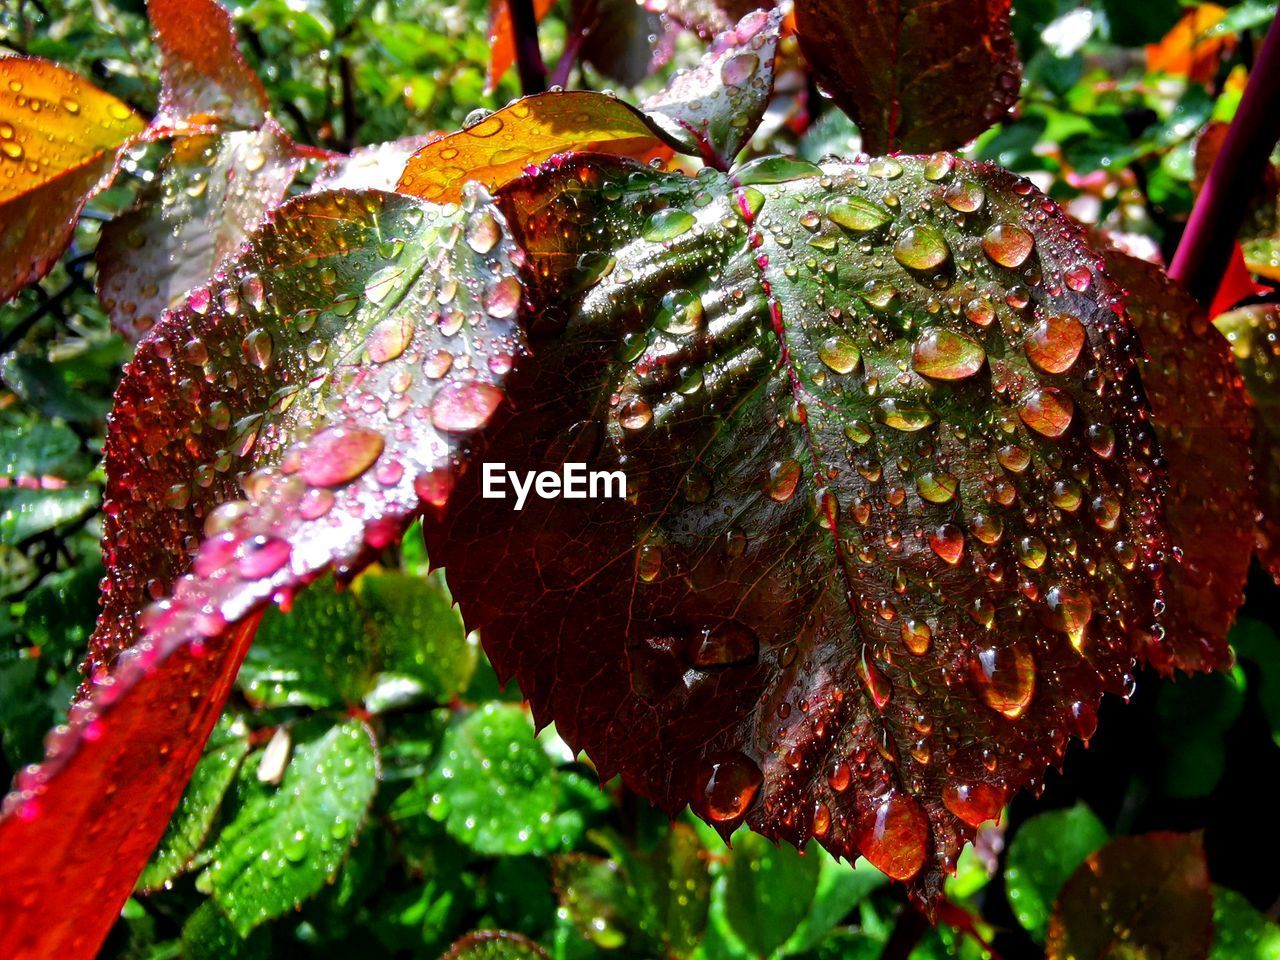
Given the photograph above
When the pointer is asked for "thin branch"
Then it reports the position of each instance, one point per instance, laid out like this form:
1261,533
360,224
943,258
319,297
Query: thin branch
1219,211
524,25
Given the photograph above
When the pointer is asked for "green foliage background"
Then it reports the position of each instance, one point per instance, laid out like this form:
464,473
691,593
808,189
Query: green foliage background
371,791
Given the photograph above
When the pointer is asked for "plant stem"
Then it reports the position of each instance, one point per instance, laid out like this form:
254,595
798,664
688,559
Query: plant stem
583,22
1219,211
533,72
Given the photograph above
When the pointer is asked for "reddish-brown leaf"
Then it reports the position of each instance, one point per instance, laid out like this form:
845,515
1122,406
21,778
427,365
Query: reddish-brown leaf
1205,428
884,545
502,38
212,192
1254,335
60,138
499,147
205,77
1146,896
347,358
915,75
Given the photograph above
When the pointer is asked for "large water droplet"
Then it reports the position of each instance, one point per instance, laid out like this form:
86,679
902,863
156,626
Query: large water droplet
1005,675
840,354
338,455
1069,609
1055,342
464,407
857,213
921,248
975,803
1047,411
1007,244
894,835
729,786
389,338
667,225
944,355
728,642
783,479
681,312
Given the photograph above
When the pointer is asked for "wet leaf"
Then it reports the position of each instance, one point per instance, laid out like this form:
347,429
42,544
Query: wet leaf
713,109
767,892
284,842
498,148
1205,429
191,822
492,784
707,17
322,359
1254,335
205,77
209,935
623,41
884,544
1240,931
26,512
376,167
918,75
60,140
495,945
212,192
1045,852
1144,896
502,38
39,451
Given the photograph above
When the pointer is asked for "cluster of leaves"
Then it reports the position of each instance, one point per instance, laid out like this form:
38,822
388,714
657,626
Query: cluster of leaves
906,495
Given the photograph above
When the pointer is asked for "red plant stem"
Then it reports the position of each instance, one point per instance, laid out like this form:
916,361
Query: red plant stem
583,22
529,65
1219,211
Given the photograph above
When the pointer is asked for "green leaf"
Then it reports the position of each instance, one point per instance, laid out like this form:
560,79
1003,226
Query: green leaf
841,887
209,935
284,843
418,633
42,448
191,822
1240,931
1195,713
767,891
317,655
1045,851
1254,641
495,945
43,385
492,783
25,513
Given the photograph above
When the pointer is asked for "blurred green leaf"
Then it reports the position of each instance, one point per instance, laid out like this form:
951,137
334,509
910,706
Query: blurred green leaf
1240,931
1045,851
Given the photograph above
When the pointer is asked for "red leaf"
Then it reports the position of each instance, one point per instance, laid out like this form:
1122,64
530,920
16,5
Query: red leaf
60,140
1205,428
1237,284
205,77
884,545
1146,896
322,359
915,75
502,39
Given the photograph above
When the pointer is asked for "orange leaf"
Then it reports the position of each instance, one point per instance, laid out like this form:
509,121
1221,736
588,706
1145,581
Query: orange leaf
502,38
149,740
59,141
205,77
1185,50
498,148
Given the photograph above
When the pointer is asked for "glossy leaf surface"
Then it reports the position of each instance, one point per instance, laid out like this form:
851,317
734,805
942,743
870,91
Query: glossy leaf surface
1205,428
885,544
498,148
707,18
212,192
347,356
713,109
1144,896
1254,335
60,138
916,75
205,77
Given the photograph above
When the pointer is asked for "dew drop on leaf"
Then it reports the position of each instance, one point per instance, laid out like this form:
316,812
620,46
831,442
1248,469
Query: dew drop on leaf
944,355
729,786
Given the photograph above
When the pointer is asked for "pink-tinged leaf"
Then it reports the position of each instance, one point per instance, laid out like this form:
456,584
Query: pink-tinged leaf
376,167
205,77
347,358
881,553
713,109
60,141
1205,428
707,17
1254,335
915,75
212,192
1146,896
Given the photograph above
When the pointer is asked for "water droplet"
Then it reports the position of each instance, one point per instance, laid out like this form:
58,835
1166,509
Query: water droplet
948,543
857,213
728,642
667,225
261,557
776,169
904,415
483,232
257,346
389,338
965,196
635,414
916,636
1005,675
944,355
975,803
1069,610
1007,244
784,477
502,299
894,835
840,354
921,248
739,68
1047,411
729,786
681,312
338,455
874,679
937,486
464,407
648,562
1055,342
